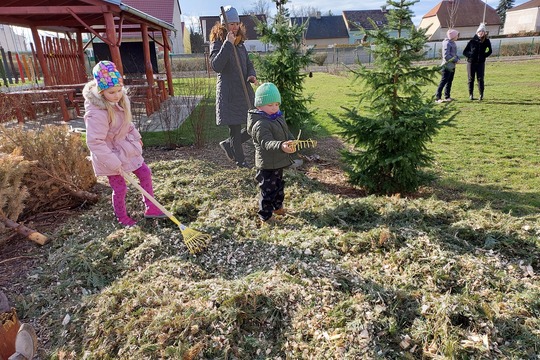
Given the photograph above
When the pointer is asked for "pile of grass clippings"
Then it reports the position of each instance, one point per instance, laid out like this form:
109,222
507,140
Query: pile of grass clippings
338,278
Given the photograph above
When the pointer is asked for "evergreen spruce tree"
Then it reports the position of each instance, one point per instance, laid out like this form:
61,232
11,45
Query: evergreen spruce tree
285,65
503,6
389,137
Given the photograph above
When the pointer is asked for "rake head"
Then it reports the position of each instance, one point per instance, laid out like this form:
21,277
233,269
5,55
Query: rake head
301,144
195,240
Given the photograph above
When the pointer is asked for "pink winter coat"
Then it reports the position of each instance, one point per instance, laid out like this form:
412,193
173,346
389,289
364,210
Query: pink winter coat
112,146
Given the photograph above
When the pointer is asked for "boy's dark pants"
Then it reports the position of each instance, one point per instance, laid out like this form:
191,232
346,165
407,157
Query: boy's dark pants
272,193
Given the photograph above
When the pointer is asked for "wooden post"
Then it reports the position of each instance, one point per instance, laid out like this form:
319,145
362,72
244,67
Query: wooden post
167,60
146,53
41,57
111,37
83,77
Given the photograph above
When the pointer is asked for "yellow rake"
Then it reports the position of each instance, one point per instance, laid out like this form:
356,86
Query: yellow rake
195,240
303,144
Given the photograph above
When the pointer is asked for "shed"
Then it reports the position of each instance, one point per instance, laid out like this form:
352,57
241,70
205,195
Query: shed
463,15
523,18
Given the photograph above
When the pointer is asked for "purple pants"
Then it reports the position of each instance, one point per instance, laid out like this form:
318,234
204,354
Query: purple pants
118,185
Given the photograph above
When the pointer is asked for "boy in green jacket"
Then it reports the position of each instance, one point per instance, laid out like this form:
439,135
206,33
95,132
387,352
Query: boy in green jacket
273,146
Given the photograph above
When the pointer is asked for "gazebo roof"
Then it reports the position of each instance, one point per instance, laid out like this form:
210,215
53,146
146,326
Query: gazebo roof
105,19
73,15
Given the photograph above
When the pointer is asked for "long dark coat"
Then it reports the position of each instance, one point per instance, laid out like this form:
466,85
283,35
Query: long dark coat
231,103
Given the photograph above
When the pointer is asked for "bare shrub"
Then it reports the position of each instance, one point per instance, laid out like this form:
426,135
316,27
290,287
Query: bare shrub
188,105
520,49
183,64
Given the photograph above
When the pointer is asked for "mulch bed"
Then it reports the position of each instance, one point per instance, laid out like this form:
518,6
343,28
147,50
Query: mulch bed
18,256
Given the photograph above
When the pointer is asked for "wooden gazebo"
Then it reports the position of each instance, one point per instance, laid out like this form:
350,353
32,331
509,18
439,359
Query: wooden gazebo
107,20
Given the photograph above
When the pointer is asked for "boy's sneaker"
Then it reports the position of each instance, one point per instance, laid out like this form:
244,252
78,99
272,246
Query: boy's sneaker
449,99
270,222
226,146
439,101
280,212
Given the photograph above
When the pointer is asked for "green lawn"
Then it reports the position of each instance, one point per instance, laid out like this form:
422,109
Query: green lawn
492,151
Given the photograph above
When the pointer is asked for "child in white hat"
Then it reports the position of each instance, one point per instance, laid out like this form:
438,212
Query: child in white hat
476,52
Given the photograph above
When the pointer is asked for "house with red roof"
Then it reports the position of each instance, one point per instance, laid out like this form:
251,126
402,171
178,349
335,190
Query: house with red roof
165,10
523,18
463,15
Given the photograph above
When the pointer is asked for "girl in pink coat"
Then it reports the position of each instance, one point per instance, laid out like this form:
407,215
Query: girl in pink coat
114,143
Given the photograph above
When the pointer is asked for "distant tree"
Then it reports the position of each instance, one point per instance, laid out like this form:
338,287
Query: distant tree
389,136
504,5
259,7
197,42
304,11
452,9
285,65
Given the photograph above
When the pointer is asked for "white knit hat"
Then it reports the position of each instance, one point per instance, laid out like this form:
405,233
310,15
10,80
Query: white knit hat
482,27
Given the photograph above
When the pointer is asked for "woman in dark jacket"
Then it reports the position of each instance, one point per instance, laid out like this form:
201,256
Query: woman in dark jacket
231,103
476,52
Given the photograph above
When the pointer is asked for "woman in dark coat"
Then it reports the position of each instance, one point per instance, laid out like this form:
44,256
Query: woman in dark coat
476,52
231,103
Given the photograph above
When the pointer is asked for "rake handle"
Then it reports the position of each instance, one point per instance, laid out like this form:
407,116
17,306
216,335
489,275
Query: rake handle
134,182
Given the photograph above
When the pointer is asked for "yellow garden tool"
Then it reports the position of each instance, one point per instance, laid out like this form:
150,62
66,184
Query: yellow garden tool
302,144
195,240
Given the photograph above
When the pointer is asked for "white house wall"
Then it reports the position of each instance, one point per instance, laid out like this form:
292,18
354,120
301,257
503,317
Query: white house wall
177,39
433,26
526,20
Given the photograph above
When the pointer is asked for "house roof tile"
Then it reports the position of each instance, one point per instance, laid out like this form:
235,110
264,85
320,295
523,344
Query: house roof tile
469,13
323,27
360,19
160,9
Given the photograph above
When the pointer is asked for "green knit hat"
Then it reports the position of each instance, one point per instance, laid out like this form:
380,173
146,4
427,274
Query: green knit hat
266,94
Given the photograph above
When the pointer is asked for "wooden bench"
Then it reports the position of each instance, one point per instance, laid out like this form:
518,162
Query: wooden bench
142,94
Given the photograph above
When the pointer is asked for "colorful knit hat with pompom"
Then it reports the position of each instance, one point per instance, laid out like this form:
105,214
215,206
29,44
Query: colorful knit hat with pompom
107,75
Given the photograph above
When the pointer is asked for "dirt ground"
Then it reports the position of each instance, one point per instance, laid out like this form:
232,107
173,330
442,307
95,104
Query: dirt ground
18,256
